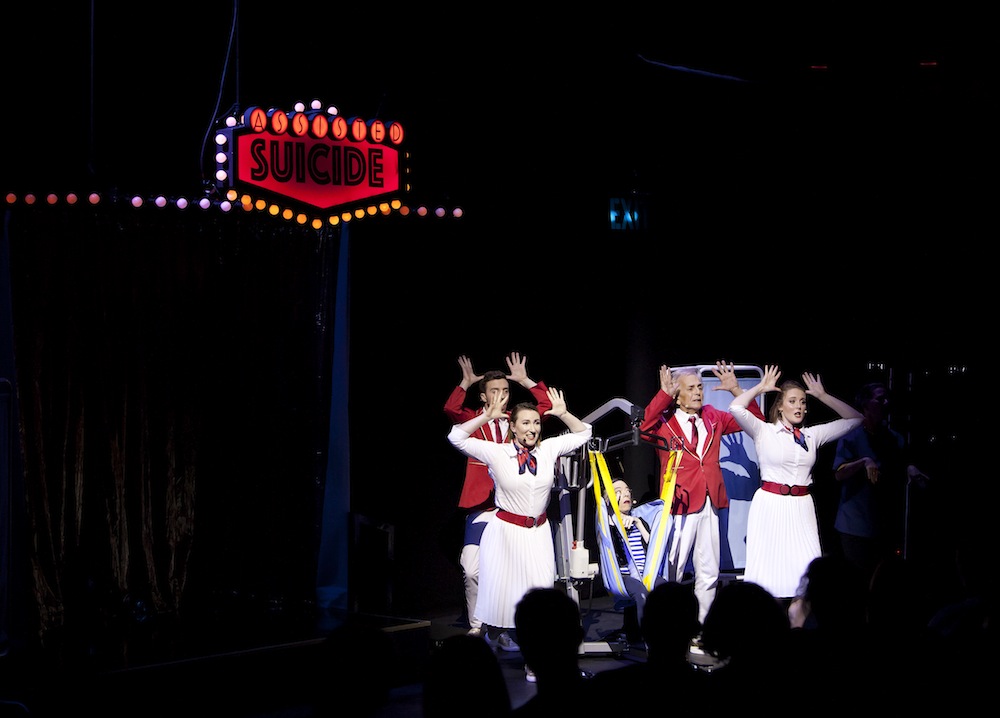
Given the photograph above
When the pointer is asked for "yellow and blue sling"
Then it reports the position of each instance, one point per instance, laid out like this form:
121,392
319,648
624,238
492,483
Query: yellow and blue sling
659,522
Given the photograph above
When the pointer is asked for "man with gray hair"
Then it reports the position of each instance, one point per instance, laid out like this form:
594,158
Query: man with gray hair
677,416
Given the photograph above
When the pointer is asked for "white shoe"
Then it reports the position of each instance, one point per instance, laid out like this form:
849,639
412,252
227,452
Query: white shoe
502,642
506,643
529,675
476,631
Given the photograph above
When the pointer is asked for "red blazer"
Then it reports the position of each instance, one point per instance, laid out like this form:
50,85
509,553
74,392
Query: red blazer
477,491
697,477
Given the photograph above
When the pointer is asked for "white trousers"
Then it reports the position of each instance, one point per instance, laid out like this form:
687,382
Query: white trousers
469,561
696,537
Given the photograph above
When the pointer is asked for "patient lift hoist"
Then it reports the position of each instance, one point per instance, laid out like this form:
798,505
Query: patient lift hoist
573,562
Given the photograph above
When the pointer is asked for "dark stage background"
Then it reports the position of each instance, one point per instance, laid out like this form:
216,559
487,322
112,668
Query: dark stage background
826,221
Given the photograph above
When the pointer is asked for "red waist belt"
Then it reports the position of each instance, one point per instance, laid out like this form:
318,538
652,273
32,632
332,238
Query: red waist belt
784,489
518,520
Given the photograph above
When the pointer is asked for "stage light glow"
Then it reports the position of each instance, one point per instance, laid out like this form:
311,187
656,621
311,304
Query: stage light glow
137,201
161,201
457,212
226,205
51,198
421,211
71,198
230,121
29,198
439,212
315,104
221,158
204,203
273,210
221,175
220,139
94,198
299,107
182,203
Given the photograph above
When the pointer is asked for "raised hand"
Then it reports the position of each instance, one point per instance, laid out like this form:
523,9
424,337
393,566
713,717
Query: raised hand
667,383
726,376
496,407
558,402
517,366
771,377
469,377
814,385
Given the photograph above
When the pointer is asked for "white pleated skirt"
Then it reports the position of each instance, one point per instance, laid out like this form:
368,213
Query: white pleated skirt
512,560
782,538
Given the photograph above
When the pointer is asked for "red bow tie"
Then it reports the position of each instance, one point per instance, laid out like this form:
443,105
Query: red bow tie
525,459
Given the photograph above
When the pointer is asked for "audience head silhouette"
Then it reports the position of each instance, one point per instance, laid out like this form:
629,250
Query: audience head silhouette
744,625
834,595
550,633
670,621
464,671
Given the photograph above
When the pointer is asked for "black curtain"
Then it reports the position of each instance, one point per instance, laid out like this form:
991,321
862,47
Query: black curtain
173,384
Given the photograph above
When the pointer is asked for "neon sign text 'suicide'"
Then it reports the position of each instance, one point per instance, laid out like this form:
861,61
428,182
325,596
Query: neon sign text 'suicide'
316,159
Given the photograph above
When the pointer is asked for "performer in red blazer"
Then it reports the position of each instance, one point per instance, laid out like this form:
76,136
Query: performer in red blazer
477,490
677,415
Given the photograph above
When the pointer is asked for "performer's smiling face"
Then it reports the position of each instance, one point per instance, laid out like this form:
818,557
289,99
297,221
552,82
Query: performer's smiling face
527,427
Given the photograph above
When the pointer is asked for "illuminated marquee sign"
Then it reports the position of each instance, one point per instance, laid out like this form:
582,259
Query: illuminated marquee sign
316,158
